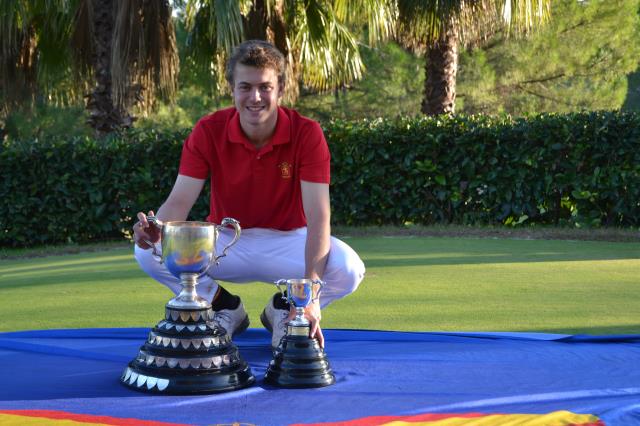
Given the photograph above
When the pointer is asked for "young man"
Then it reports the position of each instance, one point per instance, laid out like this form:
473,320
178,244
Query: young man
269,169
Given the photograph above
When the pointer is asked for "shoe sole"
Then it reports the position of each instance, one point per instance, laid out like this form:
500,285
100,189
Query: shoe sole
265,321
242,327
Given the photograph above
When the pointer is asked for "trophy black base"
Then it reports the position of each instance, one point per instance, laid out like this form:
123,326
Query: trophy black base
149,380
186,354
299,362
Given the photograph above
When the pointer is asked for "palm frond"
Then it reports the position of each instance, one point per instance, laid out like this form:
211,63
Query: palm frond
54,23
202,52
15,45
34,51
223,22
144,58
226,22
82,38
317,18
521,16
214,27
328,52
379,15
421,22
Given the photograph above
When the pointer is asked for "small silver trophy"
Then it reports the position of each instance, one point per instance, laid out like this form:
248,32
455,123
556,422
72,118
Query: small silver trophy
299,361
187,352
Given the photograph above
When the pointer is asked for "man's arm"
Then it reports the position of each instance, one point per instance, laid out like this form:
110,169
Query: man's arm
177,206
316,205
183,196
315,202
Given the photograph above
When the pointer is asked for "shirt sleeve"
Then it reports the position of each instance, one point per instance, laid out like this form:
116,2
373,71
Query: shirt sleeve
195,159
315,164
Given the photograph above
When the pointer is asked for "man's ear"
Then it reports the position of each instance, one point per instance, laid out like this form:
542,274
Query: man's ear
280,90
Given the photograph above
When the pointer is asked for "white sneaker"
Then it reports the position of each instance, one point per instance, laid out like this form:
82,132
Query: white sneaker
275,320
235,321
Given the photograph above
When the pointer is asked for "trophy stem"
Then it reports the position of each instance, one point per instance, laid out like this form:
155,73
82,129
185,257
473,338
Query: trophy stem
299,320
188,297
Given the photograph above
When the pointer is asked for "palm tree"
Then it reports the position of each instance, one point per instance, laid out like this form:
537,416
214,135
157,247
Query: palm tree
118,52
124,51
128,48
439,27
34,51
315,36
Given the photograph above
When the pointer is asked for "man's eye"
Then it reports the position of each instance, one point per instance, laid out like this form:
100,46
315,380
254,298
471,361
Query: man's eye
266,88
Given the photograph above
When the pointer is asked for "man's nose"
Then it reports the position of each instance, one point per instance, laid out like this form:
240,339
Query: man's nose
254,95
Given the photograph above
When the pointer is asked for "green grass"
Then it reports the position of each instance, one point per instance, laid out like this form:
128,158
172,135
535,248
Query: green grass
412,283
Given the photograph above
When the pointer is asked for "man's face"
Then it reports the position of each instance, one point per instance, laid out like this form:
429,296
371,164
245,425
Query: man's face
256,93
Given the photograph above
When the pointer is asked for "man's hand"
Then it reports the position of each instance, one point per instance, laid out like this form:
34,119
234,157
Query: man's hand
182,197
144,231
312,313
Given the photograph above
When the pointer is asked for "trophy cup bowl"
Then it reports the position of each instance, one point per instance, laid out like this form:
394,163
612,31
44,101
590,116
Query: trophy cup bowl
188,251
188,247
299,361
188,352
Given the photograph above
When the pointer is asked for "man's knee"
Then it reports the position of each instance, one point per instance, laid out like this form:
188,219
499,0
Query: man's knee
348,268
353,275
147,262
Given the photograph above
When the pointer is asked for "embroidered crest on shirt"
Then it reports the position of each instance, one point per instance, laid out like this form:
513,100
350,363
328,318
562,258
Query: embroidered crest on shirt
285,170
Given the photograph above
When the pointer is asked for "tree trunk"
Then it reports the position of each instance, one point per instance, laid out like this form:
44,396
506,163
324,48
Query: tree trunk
258,25
278,35
104,116
255,23
441,68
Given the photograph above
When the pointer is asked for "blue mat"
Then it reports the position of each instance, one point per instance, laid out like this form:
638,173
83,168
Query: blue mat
381,376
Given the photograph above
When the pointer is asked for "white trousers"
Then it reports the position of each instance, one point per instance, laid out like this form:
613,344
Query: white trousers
266,255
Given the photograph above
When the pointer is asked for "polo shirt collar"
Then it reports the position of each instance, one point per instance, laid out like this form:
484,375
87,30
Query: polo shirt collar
281,135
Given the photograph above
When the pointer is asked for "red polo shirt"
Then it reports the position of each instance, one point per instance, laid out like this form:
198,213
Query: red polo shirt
257,187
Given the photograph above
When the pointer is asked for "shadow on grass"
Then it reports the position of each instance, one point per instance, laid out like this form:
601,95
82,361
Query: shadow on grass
86,265
376,253
44,273
591,330
400,261
396,252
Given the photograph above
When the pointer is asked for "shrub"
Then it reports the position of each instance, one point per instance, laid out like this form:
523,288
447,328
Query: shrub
579,169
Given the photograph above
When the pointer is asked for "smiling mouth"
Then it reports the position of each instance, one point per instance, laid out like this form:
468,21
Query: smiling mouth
255,108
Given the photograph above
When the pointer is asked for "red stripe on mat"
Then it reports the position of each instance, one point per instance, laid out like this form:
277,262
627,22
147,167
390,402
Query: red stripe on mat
380,420
87,418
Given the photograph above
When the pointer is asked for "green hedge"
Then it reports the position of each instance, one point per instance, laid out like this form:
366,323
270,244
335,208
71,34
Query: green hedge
577,169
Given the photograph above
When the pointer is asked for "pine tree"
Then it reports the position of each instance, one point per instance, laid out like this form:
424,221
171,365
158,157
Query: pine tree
580,61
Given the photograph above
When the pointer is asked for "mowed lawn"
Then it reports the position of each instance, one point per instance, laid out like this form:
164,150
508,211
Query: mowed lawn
412,283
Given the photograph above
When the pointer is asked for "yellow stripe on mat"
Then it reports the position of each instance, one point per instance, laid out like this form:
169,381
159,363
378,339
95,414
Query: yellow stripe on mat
556,418
15,420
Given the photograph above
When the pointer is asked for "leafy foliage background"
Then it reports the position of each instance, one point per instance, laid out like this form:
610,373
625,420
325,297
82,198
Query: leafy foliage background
579,61
577,169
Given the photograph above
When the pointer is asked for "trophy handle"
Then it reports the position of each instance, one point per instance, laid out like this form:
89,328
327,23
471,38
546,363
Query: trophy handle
321,284
158,224
278,284
236,226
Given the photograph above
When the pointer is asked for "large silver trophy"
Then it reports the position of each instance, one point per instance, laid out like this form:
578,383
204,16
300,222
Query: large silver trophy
187,352
299,361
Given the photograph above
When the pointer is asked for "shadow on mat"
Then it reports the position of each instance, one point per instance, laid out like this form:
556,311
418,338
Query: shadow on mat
90,373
